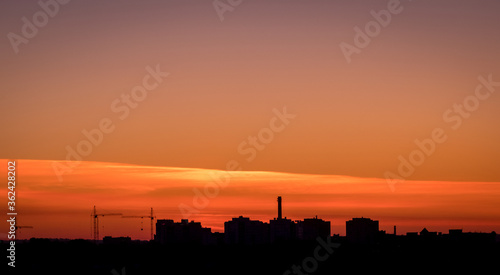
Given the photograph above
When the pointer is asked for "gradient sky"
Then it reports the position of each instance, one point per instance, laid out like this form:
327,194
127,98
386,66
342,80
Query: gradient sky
226,78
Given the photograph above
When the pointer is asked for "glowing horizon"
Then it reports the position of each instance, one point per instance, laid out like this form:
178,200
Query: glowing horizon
62,209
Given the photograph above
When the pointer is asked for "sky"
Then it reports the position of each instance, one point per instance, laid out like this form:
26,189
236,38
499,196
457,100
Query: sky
399,90
212,197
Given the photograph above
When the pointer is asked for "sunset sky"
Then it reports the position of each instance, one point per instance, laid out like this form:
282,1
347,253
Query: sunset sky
217,79
63,209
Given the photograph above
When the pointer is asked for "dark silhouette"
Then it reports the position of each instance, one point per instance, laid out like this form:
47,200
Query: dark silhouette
169,232
361,230
279,208
247,246
243,230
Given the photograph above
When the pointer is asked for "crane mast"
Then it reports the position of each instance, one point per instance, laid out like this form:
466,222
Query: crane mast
95,216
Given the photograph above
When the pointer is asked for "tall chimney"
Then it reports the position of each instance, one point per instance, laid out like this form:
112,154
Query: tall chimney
279,207
394,230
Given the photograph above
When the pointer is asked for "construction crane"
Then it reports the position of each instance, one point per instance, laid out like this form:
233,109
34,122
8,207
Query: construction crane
95,215
151,217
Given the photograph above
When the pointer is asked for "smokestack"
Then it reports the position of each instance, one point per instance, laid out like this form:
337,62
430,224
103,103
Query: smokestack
394,230
279,207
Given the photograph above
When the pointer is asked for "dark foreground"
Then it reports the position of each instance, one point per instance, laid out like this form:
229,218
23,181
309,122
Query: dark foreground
329,256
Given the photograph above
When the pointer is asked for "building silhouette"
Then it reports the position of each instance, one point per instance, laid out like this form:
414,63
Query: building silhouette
310,229
245,231
169,232
362,230
282,230
242,230
429,235
116,240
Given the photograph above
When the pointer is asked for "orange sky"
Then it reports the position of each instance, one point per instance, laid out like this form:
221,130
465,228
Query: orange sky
161,84
62,209
226,77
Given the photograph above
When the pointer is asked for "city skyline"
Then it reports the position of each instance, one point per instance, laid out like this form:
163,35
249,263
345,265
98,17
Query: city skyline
134,131
63,210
